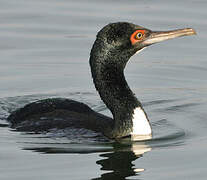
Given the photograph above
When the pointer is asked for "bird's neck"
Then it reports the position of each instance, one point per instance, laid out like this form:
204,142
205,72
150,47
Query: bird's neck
109,80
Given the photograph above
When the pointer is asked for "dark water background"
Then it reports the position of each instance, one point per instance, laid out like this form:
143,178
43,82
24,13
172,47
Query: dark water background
45,46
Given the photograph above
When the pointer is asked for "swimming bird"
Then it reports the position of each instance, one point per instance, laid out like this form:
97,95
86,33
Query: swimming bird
114,45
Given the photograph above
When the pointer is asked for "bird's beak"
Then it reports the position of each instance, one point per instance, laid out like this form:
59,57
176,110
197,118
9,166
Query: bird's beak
158,36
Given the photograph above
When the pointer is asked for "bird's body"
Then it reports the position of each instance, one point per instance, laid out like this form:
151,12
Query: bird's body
114,46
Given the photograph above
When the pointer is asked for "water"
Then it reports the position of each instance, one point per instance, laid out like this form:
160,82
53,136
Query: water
45,47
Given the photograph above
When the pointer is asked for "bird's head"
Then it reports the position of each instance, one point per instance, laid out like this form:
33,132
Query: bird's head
122,40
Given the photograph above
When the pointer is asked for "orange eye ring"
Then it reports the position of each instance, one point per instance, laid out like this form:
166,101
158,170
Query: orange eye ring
137,36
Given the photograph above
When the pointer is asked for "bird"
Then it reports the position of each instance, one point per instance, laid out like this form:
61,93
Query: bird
114,45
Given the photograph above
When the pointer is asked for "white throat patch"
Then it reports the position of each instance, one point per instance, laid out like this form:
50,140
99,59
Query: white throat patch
141,125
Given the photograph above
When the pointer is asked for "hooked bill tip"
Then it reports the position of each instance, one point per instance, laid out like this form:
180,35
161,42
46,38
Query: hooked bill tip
191,31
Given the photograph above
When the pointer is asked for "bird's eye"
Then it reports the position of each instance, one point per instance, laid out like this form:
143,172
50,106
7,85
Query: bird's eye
139,36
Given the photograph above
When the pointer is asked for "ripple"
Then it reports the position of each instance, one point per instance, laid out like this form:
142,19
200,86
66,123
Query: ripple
180,107
162,101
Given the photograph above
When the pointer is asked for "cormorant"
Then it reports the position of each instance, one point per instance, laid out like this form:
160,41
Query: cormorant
114,45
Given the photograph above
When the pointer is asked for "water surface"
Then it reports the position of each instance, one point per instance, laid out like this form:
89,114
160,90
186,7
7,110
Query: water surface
45,48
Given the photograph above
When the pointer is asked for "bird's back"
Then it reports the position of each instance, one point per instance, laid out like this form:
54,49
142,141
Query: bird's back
58,113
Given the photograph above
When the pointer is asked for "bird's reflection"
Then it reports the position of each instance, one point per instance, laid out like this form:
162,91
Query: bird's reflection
119,164
117,159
